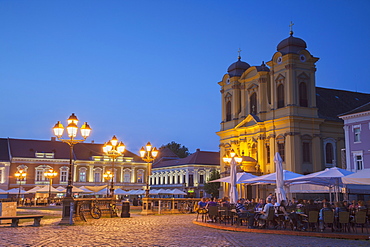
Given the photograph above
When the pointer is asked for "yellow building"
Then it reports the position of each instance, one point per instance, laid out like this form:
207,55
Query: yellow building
276,107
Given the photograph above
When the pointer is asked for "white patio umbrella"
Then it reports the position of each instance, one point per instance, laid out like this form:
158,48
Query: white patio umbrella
74,190
33,190
15,191
43,189
233,191
85,190
120,191
280,192
331,177
360,177
239,177
178,192
60,188
3,191
271,178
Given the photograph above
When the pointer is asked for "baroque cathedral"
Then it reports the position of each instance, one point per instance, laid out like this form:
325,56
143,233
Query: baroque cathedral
277,107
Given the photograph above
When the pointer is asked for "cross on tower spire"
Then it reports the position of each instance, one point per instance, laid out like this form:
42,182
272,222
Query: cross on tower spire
239,57
291,28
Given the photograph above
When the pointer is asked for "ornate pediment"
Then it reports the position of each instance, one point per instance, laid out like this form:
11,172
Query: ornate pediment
250,120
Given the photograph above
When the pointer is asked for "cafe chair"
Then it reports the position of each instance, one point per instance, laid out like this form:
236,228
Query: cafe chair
329,219
343,221
213,213
360,219
313,220
270,217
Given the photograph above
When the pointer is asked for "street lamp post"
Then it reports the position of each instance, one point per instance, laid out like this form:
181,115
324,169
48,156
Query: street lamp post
72,130
50,174
148,154
113,149
20,175
108,175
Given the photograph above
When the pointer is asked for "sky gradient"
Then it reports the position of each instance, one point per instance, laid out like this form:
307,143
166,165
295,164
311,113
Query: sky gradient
148,70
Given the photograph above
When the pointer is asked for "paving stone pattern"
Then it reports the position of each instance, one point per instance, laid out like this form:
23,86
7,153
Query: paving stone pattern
165,230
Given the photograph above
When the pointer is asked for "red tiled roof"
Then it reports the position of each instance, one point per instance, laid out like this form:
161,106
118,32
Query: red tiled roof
25,148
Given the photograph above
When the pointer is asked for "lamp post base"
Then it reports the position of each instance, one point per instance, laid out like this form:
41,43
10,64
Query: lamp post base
68,211
146,208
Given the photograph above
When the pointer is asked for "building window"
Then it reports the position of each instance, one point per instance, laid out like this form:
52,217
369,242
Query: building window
303,100
281,146
306,152
359,162
1,176
329,153
63,174
268,158
127,176
97,175
201,179
82,175
191,180
140,176
357,132
228,111
40,170
280,96
253,104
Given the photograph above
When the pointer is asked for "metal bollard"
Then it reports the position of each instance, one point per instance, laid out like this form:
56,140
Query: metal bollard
125,209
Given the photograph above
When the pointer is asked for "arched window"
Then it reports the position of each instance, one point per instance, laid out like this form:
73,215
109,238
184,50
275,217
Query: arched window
228,111
253,103
329,153
280,96
82,174
303,100
306,149
39,173
127,176
281,146
98,175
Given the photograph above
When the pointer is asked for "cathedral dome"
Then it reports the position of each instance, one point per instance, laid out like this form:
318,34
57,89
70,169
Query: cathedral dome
291,45
237,68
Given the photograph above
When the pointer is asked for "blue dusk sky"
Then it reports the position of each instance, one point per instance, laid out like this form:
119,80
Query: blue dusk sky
148,70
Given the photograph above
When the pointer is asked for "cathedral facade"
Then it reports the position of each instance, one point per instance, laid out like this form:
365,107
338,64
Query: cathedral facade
276,107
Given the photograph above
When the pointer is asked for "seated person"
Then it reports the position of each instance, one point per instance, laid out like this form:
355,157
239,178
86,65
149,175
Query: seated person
202,203
361,206
242,212
212,202
326,207
259,206
266,210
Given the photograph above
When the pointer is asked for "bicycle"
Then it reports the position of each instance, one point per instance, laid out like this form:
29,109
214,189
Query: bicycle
114,211
95,211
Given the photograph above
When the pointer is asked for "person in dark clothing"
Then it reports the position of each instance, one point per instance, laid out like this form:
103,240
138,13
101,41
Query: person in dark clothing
242,212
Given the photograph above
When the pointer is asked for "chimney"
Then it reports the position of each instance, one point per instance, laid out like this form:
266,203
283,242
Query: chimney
198,150
53,139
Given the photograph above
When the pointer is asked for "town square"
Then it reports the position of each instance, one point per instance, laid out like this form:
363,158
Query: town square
184,123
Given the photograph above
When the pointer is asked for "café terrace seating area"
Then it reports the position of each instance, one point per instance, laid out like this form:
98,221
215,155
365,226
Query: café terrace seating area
346,224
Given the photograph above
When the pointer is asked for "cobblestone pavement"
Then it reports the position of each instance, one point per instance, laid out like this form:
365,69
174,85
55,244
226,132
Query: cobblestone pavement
165,230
